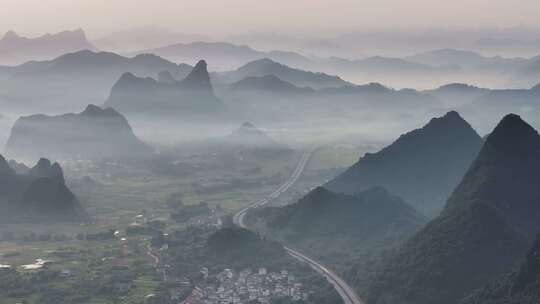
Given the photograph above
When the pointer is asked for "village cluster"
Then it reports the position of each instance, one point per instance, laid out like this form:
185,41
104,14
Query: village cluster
246,286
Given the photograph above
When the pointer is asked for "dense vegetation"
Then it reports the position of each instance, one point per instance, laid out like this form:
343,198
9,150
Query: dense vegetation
487,225
517,287
423,166
324,223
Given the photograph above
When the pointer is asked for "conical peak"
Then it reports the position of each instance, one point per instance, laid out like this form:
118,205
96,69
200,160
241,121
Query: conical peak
5,169
201,65
90,109
506,171
513,132
57,172
11,35
43,163
198,78
247,125
451,117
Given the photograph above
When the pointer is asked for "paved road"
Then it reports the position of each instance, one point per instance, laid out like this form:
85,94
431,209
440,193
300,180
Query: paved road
239,216
345,291
156,257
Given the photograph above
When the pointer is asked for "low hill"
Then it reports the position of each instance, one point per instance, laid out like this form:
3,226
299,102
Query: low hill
527,75
297,77
486,227
463,58
268,84
249,136
422,166
95,133
496,103
455,95
330,224
40,194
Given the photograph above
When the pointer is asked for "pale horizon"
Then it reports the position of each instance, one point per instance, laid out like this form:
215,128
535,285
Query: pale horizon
213,19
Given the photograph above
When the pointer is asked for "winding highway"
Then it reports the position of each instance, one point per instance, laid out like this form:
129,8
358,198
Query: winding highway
345,291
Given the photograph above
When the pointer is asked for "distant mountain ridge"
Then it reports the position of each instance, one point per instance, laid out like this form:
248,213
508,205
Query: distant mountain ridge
73,80
95,133
265,66
457,95
268,84
422,166
191,98
15,49
223,55
486,227
463,58
147,37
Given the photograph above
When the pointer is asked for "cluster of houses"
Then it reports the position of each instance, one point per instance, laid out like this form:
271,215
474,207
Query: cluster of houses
230,287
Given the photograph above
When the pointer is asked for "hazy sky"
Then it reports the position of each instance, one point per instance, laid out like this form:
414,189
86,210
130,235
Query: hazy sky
222,17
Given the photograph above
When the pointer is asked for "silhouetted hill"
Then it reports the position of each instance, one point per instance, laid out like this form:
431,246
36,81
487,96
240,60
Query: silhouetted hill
379,97
235,246
485,228
463,58
521,286
389,71
527,75
379,64
101,63
44,169
95,133
457,94
198,79
268,84
166,77
189,99
146,37
40,194
324,222
20,168
248,136
15,49
8,178
423,166
496,103
76,79
297,77
224,56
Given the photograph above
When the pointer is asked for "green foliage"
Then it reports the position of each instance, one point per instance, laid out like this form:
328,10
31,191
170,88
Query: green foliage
184,213
486,227
423,166
323,223
519,286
